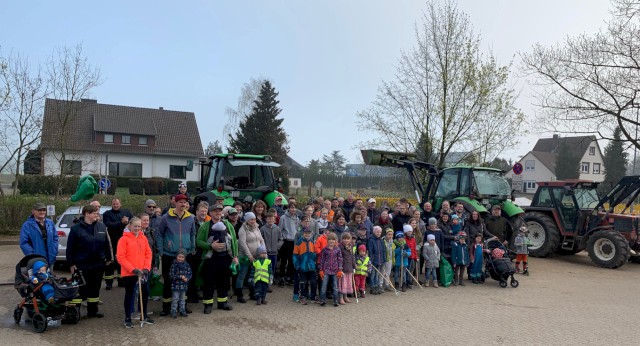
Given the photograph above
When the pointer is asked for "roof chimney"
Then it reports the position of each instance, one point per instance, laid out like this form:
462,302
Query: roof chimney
555,136
89,100
161,108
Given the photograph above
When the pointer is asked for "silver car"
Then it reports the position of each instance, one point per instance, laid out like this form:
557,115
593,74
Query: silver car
63,226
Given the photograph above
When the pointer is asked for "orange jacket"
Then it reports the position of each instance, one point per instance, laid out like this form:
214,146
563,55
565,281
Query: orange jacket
133,253
321,243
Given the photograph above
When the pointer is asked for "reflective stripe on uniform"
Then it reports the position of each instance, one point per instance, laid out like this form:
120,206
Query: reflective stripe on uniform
361,266
93,300
222,300
108,277
207,301
76,301
166,300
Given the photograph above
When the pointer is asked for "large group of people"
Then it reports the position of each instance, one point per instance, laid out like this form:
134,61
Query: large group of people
327,249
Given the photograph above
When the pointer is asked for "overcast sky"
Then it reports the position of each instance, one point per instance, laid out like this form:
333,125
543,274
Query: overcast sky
325,58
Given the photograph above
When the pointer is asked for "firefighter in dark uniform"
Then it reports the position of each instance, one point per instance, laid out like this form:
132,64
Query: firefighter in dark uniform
89,251
219,245
116,221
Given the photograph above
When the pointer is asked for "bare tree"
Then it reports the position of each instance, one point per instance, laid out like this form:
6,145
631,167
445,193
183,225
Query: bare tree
22,115
590,83
248,95
70,78
444,94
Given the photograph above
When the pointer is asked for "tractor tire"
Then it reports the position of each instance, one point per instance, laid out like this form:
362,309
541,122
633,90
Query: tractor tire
608,249
543,233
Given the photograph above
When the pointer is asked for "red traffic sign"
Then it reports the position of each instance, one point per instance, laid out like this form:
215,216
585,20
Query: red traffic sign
517,168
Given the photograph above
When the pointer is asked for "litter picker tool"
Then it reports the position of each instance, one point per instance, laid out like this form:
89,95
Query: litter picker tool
141,305
355,289
387,279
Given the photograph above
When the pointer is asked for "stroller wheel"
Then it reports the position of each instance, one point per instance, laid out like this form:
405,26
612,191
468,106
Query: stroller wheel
503,284
17,315
514,283
39,322
71,315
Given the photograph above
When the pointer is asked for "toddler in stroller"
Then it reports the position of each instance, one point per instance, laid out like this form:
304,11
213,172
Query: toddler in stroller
44,295
498,265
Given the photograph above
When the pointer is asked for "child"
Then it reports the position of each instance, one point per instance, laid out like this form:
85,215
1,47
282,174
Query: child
304,260
522,243
330,269
431,254
180,274
272,236
377,254
262,275
411,244
363,268
41,274
348,266
361,236
388,262
475,259
459,258
456,226
401,259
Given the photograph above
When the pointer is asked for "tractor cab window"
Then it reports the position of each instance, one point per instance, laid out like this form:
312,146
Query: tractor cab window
238,176
448,185
586,198
544,198
491,183
464,182
568,207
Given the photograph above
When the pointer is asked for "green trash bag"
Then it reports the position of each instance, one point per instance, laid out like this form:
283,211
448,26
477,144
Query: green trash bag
155,286
446,272
87,187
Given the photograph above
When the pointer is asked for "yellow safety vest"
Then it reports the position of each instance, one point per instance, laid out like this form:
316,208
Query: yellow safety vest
261,270
362,266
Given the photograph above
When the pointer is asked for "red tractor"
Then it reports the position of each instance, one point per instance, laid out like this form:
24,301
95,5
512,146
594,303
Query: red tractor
566,217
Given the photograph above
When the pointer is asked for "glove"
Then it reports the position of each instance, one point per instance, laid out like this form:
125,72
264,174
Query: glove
340,273
137,272
321,275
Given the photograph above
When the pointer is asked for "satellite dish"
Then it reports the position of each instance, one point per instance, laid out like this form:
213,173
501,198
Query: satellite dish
318,184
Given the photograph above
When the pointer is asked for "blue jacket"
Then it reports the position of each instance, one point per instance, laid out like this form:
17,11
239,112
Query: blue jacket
178,269
304,255
401,252
174,233
377,251
31,241
459,254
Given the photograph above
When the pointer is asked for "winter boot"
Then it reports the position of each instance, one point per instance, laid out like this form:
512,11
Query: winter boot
404,288
362,294
461,280
166,309
186,308
239,295
224,306
252,293
435,283
258,301
207,308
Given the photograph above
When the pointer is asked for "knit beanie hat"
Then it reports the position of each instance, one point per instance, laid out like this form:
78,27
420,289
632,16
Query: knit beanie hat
433,221
38,265
149,202
454,217
361,247
407,228
399,235
431,237
219,226
249,216
182,252
262,249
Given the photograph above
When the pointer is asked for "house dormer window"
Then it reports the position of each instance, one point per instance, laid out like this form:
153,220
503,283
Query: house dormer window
126,139
592,151
142,140
108,138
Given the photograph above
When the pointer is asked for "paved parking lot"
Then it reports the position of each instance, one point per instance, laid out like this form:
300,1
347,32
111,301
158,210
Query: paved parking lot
566,300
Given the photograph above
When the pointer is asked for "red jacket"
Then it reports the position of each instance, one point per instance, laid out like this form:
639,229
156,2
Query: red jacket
133,253
411,244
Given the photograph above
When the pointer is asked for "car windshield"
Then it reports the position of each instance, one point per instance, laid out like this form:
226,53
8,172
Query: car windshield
587,198
491,183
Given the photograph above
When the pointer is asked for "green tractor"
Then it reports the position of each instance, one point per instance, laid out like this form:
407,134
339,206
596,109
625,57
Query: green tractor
236,176
477,188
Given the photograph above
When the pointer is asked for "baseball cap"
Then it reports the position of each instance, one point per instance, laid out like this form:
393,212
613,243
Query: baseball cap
39,206
182,185
214,207
181,197
371,200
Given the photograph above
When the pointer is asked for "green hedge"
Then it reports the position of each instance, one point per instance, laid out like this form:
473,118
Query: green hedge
136,187
46,184
14,210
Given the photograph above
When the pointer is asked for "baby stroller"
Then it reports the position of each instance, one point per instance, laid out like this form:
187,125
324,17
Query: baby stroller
39,310
498,265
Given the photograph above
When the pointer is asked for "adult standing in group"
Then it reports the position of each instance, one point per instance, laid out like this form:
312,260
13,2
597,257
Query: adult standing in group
372,212
348,206
194,261
116,221
427,213
150,209
249,239
218,255
38,235
289,223
463,216
89,251
176,231
401,218
498,225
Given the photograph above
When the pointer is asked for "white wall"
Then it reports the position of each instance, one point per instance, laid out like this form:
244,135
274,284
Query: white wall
597,158
152,166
